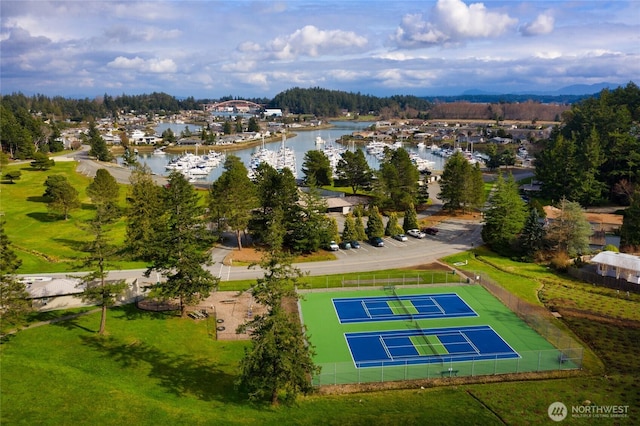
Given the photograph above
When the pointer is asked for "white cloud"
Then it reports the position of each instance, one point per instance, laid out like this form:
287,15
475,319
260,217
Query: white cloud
543,24
311,41
145,66
240,66
452,21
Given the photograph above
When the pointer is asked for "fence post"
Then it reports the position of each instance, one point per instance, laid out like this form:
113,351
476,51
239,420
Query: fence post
539,356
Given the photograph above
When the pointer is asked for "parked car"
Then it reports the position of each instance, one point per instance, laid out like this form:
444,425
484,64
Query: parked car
416,233
355,244
400,237
430,231
333,246
376,242
345,245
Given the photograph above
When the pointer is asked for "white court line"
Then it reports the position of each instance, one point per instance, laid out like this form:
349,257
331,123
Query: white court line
469,342
386,349
365,309
438,306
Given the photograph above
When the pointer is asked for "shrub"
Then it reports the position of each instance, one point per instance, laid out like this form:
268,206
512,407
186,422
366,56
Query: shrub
611,247
560,261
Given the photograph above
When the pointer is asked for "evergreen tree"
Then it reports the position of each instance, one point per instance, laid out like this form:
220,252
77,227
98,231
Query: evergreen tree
589,188
279,363
349,232
495,159
476,195
99,148
144,211
317,168
104,192
14,302
375,225
312,229
177,249
454,183
361,233
410,218
570,231
41,161
505,217
392,227
232,197
400,179
96,287
354,170
253,125
630,229
533,234
13,175
169,137
61,196
129,158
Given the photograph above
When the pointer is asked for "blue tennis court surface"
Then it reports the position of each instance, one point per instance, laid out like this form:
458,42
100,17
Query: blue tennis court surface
407,307
427,346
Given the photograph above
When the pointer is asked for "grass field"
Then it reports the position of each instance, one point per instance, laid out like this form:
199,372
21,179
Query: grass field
332,352
45,242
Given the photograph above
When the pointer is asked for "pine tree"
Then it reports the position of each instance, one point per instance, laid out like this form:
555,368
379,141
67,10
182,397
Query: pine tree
99,148
630,229
392,227
61,196
410,218
375,225
533,234
279,363
14,300
144,211
177,248
361,233
232,197
505,217
349,232
104,192
354,171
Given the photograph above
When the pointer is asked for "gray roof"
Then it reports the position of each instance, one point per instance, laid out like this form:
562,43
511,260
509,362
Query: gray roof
619,260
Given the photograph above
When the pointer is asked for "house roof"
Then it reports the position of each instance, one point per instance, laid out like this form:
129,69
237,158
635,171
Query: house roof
618,260
39,287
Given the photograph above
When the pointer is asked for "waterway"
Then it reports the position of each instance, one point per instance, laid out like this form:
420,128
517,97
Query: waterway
302,142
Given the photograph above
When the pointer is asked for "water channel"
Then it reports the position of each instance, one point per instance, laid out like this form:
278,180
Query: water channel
302,142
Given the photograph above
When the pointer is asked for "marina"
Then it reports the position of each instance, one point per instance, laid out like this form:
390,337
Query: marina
293,155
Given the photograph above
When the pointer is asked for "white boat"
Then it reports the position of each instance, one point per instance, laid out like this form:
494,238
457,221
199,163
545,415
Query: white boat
159,151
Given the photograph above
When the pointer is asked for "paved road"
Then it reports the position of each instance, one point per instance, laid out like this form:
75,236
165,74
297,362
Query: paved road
454,236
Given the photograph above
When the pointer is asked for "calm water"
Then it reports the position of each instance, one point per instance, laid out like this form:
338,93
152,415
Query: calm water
301,143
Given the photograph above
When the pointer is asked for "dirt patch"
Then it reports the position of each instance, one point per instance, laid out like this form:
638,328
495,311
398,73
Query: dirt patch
246,255
230,309
434,266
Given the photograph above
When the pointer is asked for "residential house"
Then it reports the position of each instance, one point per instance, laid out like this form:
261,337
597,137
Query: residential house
619,265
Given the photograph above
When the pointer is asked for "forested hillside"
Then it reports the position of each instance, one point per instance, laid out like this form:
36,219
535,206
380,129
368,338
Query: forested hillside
594,156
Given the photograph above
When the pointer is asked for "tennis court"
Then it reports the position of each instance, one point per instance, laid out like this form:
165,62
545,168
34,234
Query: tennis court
427,346
414,332
401,307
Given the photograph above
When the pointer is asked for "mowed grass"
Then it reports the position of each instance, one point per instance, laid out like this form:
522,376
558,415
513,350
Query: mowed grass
45,242
160,369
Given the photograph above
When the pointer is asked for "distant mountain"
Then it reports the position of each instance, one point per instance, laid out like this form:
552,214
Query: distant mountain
583,89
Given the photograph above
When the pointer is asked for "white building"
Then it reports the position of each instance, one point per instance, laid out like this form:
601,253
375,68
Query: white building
618,265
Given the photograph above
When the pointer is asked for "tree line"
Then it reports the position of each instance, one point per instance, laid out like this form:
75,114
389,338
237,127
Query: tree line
594,157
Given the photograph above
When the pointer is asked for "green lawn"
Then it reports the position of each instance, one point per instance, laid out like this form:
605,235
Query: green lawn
46,242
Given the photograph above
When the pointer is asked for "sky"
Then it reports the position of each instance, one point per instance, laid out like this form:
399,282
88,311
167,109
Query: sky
251,49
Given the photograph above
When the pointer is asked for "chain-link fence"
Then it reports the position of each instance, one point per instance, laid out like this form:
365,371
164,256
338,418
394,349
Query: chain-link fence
537,317
528,362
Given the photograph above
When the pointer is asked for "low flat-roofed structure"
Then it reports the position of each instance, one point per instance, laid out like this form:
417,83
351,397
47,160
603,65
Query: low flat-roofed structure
619,265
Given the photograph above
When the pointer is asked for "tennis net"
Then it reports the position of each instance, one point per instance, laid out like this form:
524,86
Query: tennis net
426,340
402,305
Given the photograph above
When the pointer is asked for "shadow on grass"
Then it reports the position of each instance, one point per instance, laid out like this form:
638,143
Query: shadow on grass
131,312
39,199
181,374
45,217
72,324
77,246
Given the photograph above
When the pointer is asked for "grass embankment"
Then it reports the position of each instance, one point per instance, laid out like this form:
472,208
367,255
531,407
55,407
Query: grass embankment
44,241
157,369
